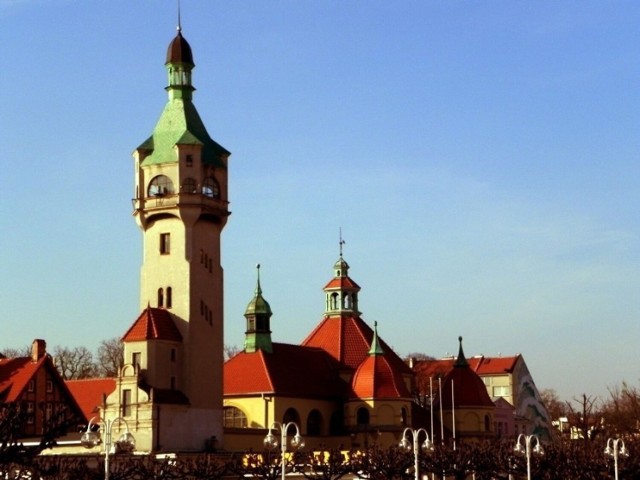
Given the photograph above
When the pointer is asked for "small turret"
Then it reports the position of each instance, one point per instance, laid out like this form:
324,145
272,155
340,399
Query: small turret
258,315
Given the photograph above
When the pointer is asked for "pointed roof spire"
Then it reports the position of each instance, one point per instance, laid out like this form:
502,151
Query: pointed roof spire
258,305
461,361
376,348
342,242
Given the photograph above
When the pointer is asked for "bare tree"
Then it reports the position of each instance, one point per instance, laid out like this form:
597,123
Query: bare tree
622,410
74,363
110,357
16,352
555,407
231,351
587,418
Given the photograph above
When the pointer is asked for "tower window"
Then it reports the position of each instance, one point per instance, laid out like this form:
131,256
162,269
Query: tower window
159,186
169,300
136,357
160,298
173,354
165,243
189,186
126,403
210,188
189,161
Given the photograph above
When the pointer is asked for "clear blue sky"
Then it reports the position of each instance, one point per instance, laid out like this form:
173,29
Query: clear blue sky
482,159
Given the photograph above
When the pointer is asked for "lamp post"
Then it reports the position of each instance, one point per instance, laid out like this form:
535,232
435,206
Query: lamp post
271,442
526,449
405,445
90,439
613,450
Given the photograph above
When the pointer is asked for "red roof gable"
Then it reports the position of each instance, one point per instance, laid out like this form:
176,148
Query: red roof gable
15,374
465,388
348,338
376,378
153,324
89,393
288,370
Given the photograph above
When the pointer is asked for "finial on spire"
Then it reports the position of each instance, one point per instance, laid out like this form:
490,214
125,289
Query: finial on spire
342,242
179,19
258,288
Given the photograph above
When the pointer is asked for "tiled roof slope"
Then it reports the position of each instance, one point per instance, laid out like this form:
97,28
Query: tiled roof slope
342,282
376,378
495,365
347,338
153,324
89,393
15,374
290,370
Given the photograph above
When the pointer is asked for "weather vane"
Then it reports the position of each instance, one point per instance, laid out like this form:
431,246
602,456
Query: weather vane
342,242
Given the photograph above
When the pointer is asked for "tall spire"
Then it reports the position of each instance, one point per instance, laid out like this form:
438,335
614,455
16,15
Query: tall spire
342,242
179,19
461,361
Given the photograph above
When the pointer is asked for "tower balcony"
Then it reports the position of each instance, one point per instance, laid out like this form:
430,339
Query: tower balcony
166,203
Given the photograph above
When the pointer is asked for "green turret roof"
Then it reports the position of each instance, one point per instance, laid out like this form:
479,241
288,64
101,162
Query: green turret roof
180,123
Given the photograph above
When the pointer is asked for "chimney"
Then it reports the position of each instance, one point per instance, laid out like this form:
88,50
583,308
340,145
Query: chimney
38,349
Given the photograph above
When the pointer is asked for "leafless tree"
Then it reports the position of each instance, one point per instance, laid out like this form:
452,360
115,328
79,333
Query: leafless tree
231,351
74,363
110,357
16,352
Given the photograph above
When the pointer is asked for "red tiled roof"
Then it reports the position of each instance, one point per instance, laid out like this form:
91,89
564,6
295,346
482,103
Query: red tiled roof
153,324
15,374
89,393
495,365
376,378
340,283
468,389
348,338
288,370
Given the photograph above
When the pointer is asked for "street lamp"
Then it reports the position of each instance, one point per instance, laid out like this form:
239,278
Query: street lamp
125,442
613,450
537,449
271,442
405,445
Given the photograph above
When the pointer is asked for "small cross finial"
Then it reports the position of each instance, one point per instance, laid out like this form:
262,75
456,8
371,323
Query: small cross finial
342,242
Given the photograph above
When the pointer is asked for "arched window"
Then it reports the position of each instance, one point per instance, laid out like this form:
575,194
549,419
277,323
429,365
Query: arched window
291,415
234,418
314,423
160,298
362,416
403,416
210,188
189,186
346,301
169,300
159,186
334,301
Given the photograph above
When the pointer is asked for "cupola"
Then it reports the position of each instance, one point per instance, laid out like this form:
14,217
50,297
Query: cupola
258,315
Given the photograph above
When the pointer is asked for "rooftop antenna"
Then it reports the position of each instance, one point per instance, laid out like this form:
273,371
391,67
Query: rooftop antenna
342,242
179,19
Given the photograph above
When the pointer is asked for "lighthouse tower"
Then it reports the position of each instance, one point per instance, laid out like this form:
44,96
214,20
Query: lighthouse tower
170,388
